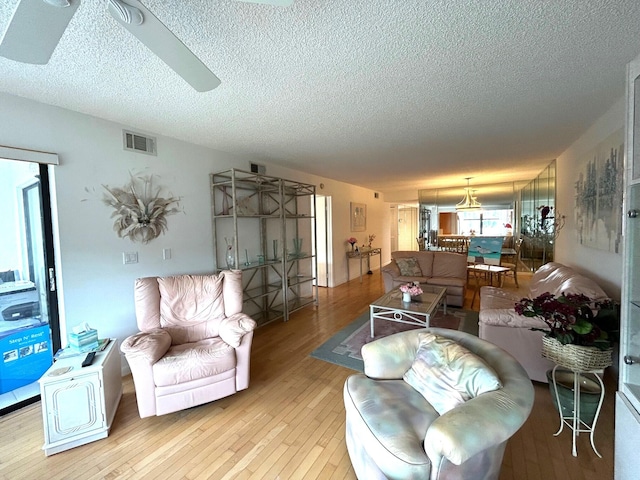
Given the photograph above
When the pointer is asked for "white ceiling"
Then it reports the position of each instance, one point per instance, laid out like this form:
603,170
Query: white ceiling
393,95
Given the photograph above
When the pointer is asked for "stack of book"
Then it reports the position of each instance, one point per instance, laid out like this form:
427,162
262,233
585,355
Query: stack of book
70,351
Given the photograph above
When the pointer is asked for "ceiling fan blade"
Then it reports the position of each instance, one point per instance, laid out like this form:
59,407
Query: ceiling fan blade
35,29
277,3
161,41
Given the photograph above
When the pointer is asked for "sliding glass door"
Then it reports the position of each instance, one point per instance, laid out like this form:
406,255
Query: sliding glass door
29,330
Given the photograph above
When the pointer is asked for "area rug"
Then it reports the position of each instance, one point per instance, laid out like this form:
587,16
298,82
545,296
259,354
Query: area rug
344,347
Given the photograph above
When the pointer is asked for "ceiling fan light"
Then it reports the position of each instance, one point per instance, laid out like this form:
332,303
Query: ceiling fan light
277,3
155,36
128,13
58,3
35,29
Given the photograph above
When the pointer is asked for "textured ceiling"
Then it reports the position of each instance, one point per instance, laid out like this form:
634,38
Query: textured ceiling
393,95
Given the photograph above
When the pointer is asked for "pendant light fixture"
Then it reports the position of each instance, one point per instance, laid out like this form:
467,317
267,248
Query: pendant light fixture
469,202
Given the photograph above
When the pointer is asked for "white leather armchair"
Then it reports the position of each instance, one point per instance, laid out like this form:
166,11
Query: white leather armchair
194,343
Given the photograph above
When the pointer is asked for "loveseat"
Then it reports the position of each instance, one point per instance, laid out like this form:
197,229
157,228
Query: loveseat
395,431
501,325
443,269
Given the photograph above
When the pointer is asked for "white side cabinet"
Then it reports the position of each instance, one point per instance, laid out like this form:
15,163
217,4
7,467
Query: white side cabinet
79,403
627,431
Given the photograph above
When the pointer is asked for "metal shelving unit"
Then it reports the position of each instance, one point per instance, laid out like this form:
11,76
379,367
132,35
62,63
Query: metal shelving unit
266,223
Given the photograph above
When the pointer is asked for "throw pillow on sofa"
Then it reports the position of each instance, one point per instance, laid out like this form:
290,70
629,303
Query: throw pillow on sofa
409,267
447,374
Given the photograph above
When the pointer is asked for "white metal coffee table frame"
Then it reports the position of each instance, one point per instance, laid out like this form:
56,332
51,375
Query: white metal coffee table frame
390,307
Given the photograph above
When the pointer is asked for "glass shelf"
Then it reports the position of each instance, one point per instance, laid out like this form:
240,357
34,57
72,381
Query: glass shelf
262,214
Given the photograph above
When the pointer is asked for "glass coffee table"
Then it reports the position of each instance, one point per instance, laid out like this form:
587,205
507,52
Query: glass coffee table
390,307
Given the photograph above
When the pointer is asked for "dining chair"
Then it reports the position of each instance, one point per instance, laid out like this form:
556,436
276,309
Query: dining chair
513,267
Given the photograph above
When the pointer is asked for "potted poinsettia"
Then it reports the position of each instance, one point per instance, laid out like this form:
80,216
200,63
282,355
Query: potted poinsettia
580,331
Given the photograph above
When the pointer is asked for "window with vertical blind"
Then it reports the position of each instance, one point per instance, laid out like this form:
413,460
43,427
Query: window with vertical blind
485,222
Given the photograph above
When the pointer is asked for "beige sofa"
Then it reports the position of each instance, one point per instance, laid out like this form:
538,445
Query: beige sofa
443,269
502,326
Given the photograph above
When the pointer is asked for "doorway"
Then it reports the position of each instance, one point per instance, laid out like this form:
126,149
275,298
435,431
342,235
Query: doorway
29,327
407,232
323,245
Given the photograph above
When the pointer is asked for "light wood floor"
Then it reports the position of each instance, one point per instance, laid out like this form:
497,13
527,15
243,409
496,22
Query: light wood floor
289,424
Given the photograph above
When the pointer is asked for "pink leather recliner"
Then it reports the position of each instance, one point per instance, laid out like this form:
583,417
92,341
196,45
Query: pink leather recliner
194,343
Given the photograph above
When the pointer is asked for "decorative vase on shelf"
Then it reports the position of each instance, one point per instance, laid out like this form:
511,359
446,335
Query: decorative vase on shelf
231,259
275,249
297,247
406,297
231,256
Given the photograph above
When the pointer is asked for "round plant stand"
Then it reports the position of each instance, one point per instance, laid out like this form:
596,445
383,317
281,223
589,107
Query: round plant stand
572,417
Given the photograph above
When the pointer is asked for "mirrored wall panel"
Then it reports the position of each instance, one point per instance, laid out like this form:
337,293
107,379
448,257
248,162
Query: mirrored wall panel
449,217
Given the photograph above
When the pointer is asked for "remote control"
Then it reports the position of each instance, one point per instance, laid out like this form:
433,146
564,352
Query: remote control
88,359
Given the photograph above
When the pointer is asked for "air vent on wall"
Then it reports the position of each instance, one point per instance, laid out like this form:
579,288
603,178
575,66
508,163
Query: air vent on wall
136,142
255,168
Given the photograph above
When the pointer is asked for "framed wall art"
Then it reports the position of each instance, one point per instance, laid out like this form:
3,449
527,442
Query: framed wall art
358,217
485,250
598,199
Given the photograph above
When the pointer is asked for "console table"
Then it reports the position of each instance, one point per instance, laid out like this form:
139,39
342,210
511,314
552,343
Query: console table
362,255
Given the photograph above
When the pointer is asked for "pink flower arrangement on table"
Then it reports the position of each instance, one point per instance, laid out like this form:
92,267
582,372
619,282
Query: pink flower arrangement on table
412,288
352,240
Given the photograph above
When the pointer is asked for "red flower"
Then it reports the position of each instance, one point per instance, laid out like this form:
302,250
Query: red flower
571,318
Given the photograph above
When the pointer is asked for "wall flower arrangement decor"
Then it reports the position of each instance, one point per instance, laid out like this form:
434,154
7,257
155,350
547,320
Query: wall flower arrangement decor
140,210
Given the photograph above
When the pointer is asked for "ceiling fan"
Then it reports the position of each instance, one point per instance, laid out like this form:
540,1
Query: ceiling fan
37,26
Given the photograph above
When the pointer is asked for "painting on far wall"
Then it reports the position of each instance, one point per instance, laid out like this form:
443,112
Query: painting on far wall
358,217
599,188
485,250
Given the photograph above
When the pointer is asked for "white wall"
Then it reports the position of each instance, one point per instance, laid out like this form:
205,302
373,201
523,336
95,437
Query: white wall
604,267
95,286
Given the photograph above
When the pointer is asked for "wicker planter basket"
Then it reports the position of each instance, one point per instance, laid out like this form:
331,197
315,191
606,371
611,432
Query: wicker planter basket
575,357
